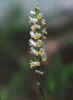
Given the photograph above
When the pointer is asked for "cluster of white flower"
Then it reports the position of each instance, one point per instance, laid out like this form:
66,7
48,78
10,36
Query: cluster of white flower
38,35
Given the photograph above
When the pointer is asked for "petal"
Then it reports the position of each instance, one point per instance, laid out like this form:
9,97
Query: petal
32,12
32,43
33,51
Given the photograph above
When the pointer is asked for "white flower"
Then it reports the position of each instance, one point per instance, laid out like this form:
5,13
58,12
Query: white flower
32,12
35,35
32,33
39,43
35,26
39,72
43,22
33,20
34,64
38,26
32,43
41,52
33,51
44,31
39,16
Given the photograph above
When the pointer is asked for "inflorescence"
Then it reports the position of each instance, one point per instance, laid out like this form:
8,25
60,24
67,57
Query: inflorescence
38,35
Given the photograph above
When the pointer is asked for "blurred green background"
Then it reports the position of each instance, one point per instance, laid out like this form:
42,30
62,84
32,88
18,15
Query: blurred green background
14,77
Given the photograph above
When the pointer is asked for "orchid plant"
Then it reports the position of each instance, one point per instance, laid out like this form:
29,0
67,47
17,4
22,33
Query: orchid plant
38,35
